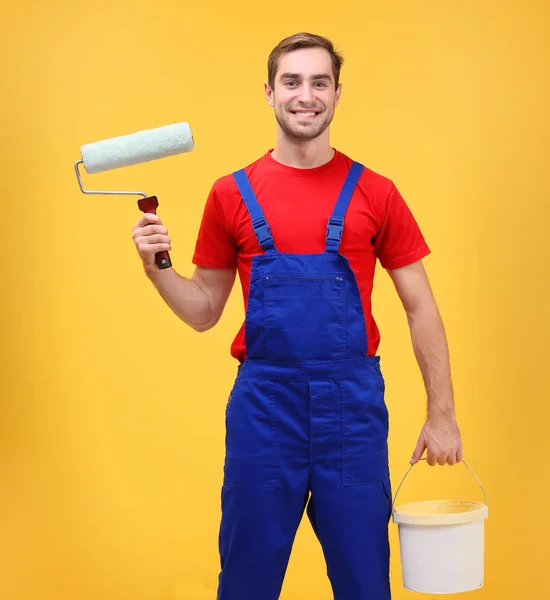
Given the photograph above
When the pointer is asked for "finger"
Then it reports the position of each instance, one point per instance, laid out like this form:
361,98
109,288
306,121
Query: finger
459,453
155,238
149,249
431,459
147,219
151,233
442,458
161,248
418,451
451,459
150,229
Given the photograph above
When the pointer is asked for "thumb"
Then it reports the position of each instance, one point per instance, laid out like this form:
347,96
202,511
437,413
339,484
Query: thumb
419,450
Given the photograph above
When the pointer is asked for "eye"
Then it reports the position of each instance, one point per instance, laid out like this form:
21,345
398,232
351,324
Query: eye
290,82
322,84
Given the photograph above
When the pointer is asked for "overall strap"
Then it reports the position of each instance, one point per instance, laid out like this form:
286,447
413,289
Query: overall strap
260,225
335,227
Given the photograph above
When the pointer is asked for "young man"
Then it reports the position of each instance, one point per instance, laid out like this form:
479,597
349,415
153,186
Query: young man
307,424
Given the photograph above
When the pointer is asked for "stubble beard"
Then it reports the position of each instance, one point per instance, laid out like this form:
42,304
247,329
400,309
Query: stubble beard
303,131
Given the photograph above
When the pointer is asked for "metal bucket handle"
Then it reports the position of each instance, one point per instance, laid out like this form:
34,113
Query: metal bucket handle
409,470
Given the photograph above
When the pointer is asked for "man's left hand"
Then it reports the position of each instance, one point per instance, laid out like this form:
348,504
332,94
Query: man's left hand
440,436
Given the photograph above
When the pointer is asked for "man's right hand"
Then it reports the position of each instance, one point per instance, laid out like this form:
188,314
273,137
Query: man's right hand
150,236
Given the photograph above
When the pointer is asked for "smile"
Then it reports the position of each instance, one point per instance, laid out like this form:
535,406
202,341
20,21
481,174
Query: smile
304,114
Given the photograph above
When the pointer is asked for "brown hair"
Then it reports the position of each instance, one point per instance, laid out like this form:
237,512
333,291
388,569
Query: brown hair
297,42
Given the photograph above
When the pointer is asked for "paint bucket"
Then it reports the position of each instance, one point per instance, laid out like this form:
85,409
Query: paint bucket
442,543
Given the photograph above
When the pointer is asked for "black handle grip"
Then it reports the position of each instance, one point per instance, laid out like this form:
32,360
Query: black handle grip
163,260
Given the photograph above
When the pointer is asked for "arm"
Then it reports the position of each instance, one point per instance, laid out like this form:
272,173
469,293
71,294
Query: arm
440,434
198,301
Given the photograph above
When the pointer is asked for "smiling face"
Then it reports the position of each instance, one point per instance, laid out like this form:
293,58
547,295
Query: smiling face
305,94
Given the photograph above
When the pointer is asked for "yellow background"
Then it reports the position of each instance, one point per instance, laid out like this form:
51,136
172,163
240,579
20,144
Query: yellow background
112,411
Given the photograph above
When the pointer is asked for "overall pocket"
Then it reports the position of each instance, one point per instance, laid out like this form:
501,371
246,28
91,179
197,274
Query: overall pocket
365,428
251,457
305,317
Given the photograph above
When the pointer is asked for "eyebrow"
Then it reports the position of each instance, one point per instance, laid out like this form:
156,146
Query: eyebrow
297,76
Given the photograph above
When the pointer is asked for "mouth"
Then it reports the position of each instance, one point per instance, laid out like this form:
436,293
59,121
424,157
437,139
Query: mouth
305,114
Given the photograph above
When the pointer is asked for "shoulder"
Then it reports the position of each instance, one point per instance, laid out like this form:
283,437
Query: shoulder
370,182
226,187
375,188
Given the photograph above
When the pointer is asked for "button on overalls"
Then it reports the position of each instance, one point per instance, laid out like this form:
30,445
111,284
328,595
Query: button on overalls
306,424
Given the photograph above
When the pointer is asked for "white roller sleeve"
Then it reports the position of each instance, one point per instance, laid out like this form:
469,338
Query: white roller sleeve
136,148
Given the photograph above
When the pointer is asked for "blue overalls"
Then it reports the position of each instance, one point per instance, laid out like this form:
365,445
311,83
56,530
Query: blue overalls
306,424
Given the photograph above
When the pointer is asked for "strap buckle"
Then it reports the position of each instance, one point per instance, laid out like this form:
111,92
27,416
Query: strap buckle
262,230
335,228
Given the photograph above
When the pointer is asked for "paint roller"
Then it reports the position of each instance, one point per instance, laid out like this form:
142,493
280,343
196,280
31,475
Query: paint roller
135,148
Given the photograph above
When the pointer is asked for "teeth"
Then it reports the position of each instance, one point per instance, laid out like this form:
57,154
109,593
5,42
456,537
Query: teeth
306,114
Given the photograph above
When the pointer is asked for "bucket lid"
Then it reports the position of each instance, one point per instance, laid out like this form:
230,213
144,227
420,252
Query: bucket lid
440,512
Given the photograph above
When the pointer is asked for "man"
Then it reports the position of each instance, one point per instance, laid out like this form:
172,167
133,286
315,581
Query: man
307,424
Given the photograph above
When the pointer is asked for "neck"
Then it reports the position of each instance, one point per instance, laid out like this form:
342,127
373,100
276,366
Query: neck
302,154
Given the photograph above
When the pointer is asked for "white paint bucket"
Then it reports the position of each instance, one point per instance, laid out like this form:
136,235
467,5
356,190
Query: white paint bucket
442,544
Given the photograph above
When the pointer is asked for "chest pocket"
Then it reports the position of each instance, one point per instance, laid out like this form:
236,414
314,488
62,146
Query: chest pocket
305,317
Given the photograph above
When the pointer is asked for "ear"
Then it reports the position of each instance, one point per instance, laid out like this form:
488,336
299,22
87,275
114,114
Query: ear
269,94
338,94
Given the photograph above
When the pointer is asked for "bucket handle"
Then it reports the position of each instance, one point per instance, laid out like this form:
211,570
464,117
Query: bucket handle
465,463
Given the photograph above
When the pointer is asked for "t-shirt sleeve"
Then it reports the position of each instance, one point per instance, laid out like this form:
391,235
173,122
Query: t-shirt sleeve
215,247
399,241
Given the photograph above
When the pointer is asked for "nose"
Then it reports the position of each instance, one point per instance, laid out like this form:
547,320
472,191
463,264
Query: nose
306,93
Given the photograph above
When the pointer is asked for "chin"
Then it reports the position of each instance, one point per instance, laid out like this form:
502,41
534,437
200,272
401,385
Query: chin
300,133
304,135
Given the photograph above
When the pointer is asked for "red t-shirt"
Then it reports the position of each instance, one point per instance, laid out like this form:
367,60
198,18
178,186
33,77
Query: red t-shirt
297,204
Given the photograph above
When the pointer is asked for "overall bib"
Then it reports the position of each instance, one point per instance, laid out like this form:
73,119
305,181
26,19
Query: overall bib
306,424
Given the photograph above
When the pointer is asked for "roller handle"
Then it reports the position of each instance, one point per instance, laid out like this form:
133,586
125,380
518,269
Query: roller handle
149,205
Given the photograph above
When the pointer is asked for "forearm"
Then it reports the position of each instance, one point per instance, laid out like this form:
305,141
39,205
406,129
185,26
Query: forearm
440,434
184,296
432,354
